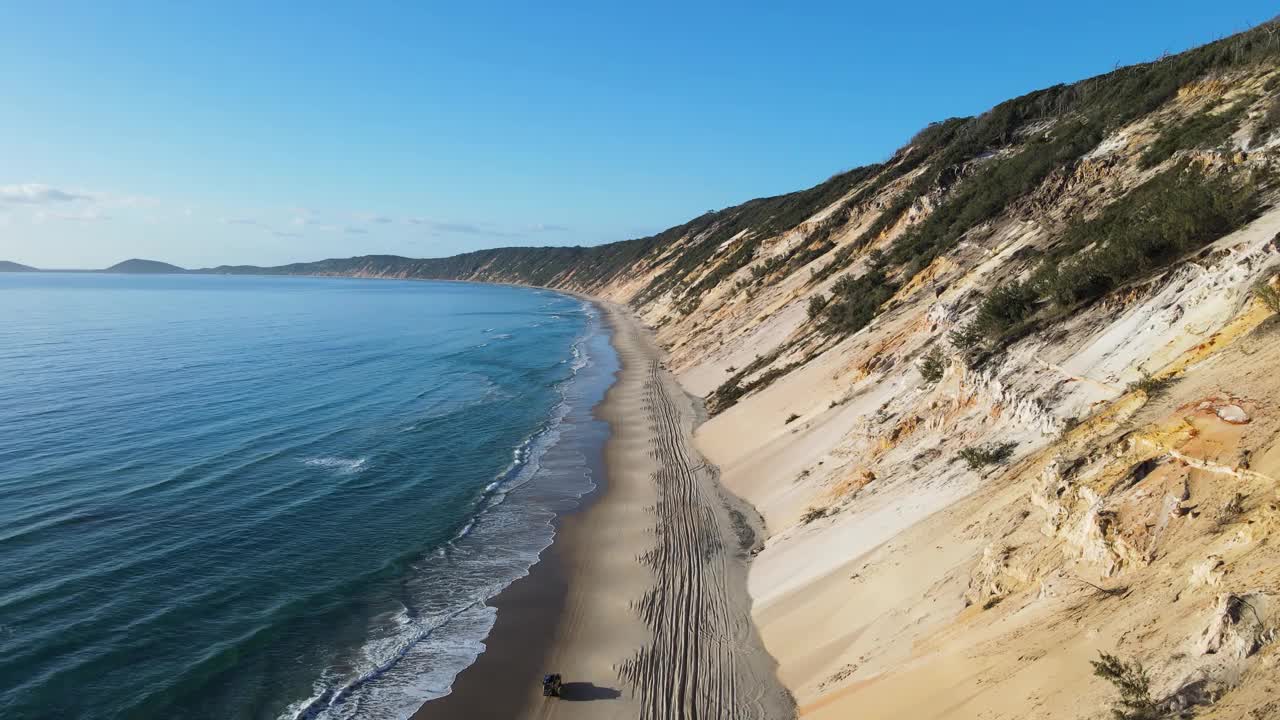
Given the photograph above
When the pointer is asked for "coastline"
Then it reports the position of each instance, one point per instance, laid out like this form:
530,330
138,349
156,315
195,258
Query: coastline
635,630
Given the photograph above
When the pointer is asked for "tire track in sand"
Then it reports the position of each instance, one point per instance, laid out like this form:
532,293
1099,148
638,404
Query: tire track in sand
704,659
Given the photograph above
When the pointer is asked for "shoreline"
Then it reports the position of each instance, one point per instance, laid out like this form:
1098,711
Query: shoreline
502,680
640,601
529,610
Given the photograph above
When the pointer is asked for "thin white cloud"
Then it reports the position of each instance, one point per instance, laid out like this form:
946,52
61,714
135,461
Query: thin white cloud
37,194
40,203
440,227
459,228
304,218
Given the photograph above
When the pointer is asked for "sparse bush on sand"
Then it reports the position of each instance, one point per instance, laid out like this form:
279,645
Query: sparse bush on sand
933,365
814,513
855,302
1068,424
1207,128
817,304
990,454
968,341
1268,295
1004,308
1150,384
1133,684
791,418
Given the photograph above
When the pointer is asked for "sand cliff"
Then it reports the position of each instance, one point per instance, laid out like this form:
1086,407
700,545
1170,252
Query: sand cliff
899,582
1135,515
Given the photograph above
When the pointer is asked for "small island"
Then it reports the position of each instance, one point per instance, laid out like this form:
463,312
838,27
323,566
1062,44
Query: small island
137,266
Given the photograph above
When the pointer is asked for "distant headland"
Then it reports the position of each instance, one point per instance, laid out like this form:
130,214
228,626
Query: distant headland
132,266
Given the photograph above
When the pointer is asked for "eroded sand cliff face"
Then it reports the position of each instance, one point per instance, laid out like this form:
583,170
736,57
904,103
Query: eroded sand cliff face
898,582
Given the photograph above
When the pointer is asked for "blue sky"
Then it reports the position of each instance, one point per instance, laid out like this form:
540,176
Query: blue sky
234,134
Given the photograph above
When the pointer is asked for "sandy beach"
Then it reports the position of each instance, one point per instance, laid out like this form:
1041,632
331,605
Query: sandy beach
641,604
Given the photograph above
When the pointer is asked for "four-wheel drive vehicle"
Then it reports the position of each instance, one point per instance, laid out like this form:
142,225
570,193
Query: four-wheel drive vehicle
551,685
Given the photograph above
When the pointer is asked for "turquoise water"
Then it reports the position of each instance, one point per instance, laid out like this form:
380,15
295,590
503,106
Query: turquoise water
237,497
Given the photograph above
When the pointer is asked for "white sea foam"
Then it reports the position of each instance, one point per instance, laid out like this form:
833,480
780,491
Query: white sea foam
345,466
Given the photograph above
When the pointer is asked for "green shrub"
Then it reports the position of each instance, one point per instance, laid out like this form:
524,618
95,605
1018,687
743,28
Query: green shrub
1068,424
855,302
1134,685
816,304
965,338
1150,384
933,365
1269,295
1004,308
1202,130
814,513
727,395
989,454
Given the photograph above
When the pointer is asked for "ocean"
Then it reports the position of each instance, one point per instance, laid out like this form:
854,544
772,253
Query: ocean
275,498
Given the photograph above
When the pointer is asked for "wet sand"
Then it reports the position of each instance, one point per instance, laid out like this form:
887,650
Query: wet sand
641,602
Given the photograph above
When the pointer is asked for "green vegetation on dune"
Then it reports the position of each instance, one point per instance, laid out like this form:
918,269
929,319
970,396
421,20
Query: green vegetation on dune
856,301
1178,211
1203,130
1175,213
701,266
1094,107
990,192
1003,308
1270,120
979,456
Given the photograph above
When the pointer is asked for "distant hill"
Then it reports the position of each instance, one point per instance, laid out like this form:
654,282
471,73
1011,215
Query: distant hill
141,267
6,266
